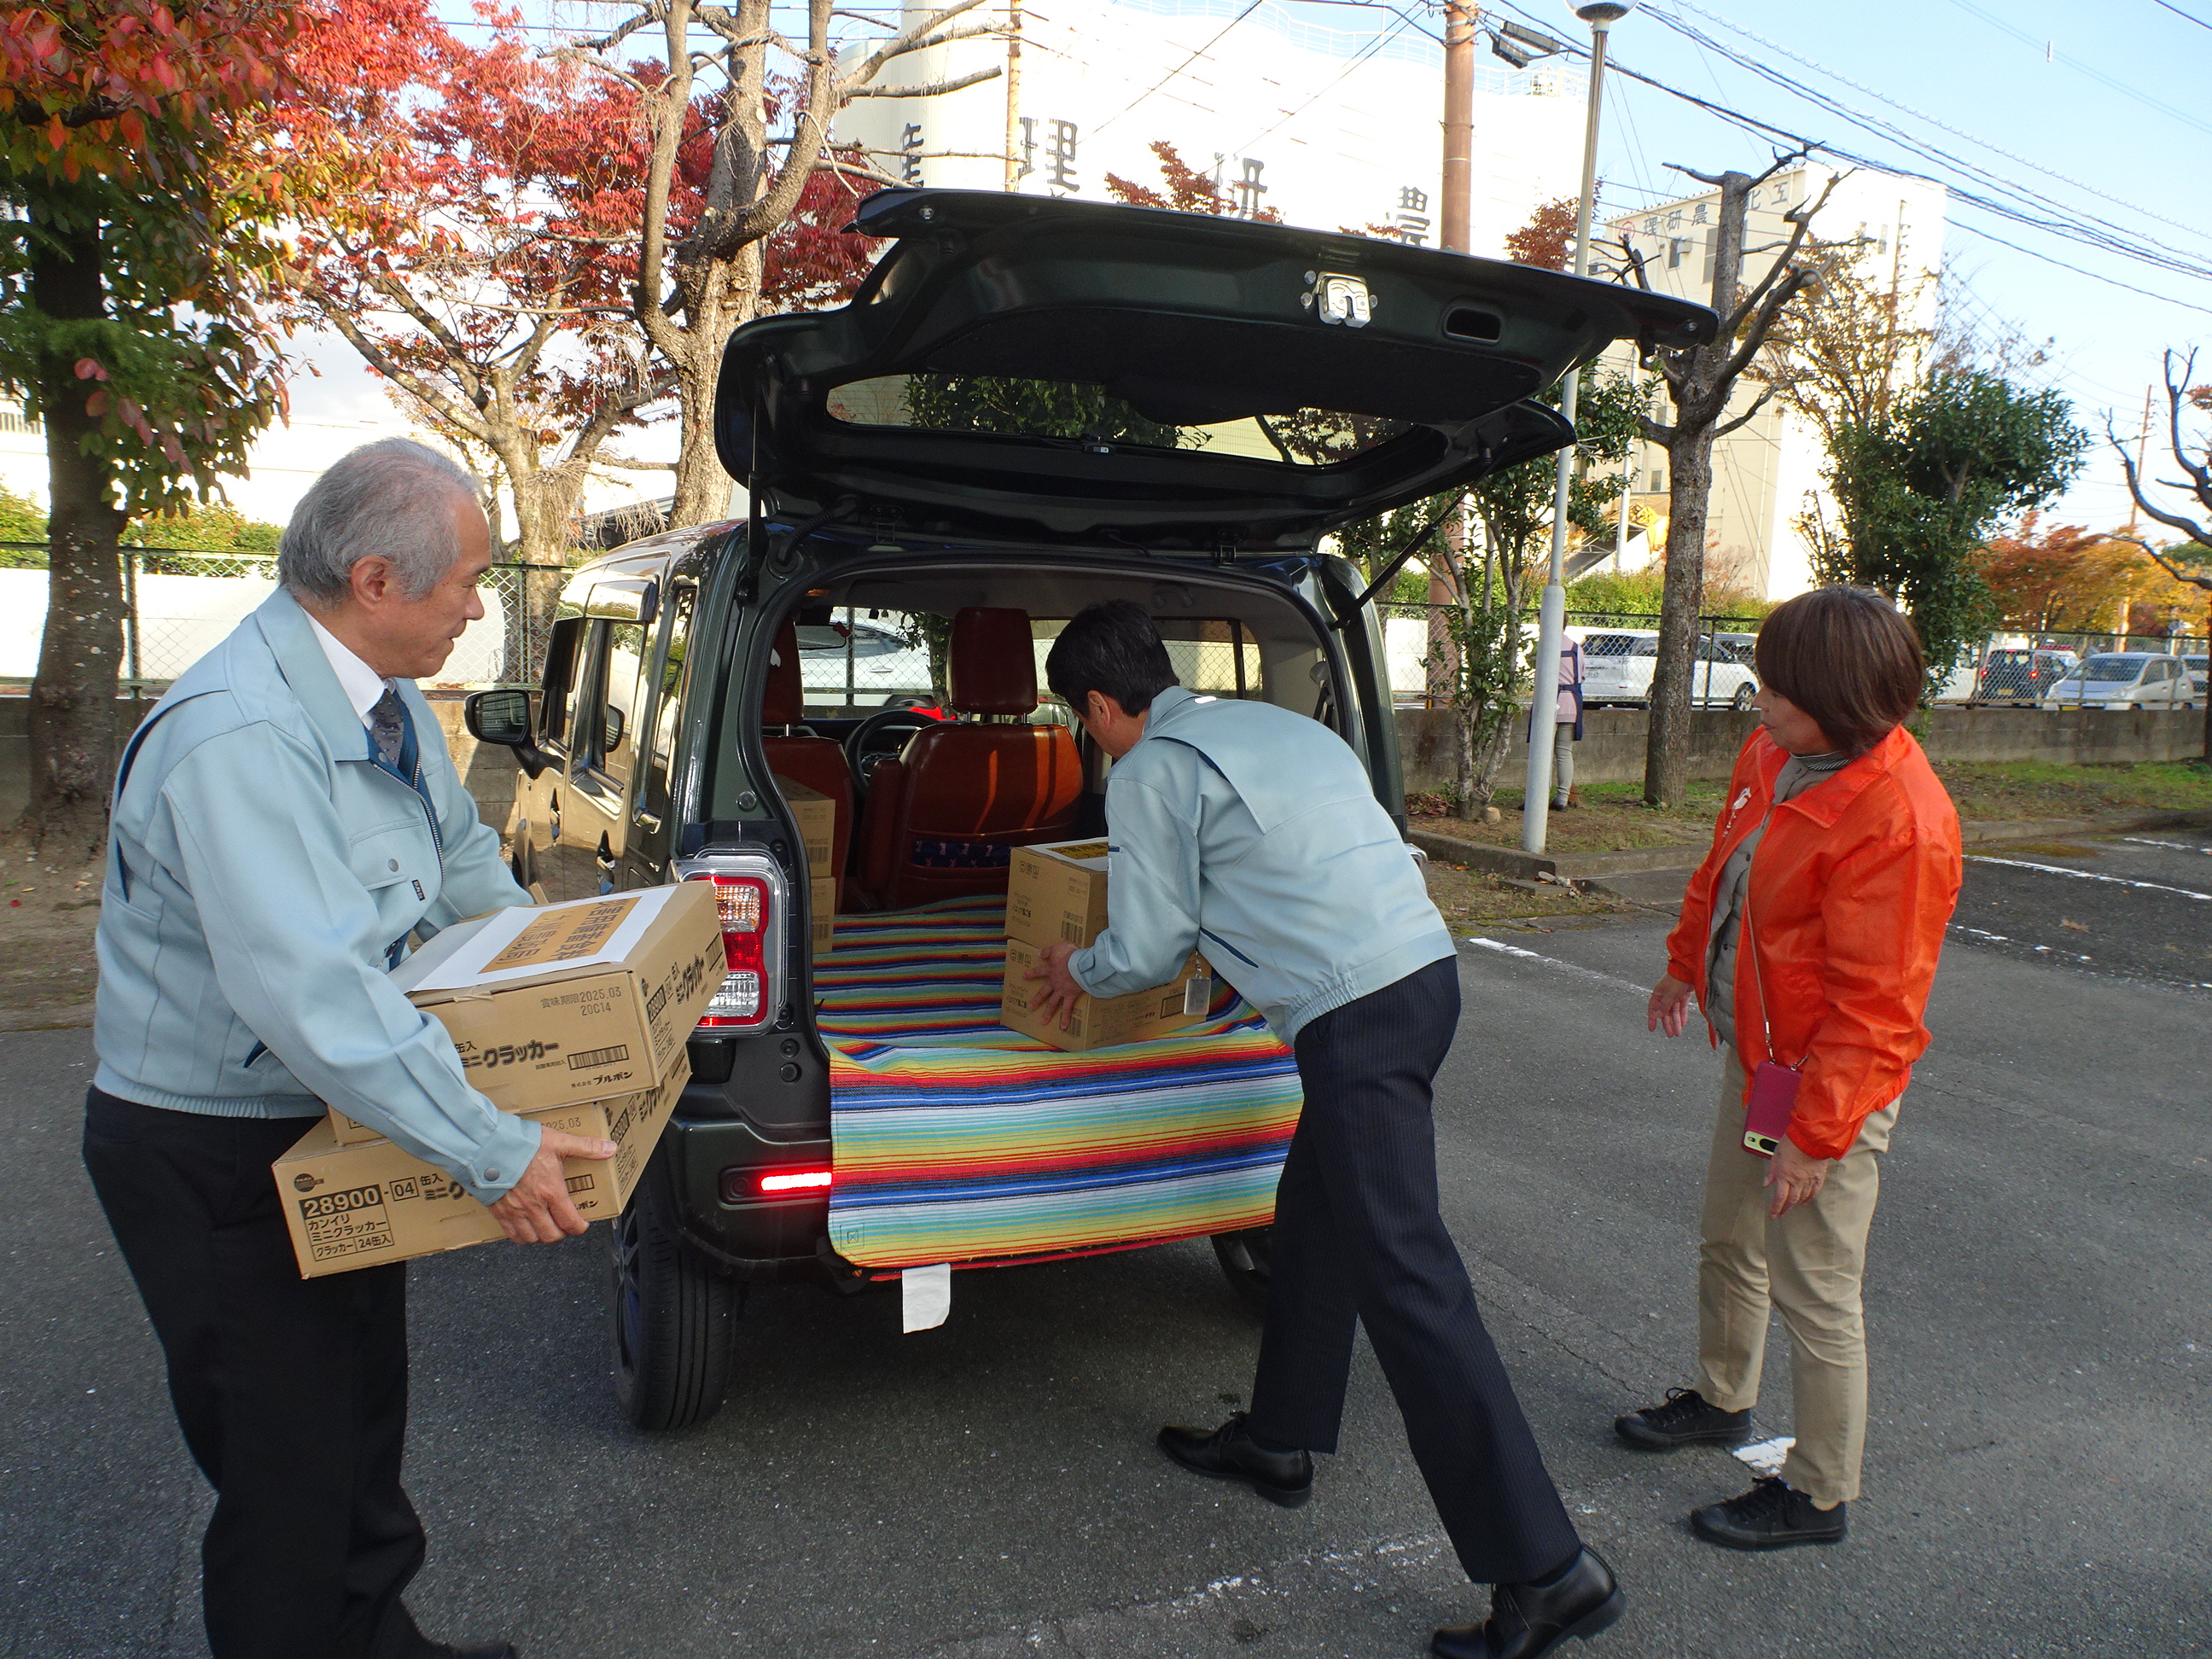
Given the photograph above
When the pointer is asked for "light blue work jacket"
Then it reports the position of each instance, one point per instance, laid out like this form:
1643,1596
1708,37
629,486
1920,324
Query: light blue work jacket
262,864
1252,833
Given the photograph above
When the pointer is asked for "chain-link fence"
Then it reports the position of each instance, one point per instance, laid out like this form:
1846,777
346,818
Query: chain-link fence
180,602
2006,670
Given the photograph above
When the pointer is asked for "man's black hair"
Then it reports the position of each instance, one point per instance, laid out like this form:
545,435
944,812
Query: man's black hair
1114,649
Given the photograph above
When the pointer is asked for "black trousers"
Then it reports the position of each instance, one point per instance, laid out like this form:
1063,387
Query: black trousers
1358,1239
292,1393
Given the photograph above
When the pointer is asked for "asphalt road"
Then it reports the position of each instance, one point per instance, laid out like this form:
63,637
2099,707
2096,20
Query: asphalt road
2039,1296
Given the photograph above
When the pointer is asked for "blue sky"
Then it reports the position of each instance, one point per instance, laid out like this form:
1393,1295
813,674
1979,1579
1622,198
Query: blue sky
2075,89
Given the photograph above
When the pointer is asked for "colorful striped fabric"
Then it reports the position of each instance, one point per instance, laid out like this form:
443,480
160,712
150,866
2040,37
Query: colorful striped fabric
959,1141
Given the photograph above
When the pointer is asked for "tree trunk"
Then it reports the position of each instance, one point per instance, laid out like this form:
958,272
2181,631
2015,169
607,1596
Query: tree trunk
1667,754
703,488
1466,771
72,702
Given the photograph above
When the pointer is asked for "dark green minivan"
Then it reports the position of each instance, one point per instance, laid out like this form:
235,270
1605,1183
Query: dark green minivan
1030,405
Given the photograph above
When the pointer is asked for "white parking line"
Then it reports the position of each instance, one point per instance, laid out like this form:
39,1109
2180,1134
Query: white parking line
1504,949
2172,846
2092,875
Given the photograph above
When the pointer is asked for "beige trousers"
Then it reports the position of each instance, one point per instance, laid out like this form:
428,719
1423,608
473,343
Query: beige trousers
1808,1265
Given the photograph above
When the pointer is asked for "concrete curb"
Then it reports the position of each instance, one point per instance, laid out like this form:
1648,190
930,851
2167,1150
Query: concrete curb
1589,870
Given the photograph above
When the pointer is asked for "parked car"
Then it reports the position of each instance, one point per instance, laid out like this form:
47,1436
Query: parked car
2124,679
2200,677
2021,675
1030,405
1618,665
860,663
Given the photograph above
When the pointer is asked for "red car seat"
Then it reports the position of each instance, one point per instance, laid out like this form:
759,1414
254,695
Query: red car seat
942,817
817,762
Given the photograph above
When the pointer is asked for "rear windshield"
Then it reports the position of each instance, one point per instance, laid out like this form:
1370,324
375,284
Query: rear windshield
2115,668
1619,645
1009,407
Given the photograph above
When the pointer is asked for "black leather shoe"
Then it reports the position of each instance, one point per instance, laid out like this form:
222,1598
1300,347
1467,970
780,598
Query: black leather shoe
1529,1620
1770,1517
1227,1453
1684,1420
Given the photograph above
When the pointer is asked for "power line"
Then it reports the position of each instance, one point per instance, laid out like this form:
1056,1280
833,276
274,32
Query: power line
2105,238
1177,70
1921,115
2053,54
2178,12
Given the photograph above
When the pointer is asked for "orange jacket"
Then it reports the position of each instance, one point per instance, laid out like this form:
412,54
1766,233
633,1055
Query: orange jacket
1851,890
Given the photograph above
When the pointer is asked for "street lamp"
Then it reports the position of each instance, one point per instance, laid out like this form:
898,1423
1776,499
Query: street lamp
1550,625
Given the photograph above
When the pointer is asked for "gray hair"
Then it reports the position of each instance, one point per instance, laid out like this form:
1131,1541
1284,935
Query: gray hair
392,499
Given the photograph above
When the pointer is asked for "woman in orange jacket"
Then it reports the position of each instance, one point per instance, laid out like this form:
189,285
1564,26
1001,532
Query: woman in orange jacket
1809,935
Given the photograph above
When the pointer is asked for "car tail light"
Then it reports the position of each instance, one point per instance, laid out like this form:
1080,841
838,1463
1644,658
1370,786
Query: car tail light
750,895
775,1182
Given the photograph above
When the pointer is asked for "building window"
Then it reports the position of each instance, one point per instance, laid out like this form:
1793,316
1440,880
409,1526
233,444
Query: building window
15,419
1673,252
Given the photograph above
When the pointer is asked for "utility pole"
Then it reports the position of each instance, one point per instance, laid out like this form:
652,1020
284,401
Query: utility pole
1551,617
1013,94
1454,236
2142,441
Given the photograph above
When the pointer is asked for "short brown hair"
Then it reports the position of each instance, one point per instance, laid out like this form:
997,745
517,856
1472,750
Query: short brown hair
1846,658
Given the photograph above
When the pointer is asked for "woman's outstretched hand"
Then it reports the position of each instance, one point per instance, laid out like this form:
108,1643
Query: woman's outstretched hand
1669,1006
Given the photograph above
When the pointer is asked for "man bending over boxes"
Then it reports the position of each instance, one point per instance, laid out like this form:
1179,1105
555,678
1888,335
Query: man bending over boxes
283,821
1253,834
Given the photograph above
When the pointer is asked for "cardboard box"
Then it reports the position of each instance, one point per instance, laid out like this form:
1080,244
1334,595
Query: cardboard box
1103,1022
822,902
816,817
574,1002
357,1206
1055,890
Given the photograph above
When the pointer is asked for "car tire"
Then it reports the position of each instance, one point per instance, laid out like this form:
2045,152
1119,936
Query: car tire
1248,1262
675,1315
1741,702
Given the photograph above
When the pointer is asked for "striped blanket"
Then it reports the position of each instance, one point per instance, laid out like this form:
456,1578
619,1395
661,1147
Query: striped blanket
959,1141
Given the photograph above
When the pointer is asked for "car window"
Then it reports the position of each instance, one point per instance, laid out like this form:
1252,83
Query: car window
1608,645
2113,669
561,678
673,680
1011,406
625,687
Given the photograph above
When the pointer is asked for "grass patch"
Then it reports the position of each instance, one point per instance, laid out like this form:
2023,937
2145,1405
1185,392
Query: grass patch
1997,790
1611,819
1471,898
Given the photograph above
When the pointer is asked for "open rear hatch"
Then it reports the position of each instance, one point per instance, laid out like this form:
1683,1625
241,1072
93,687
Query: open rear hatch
1070,371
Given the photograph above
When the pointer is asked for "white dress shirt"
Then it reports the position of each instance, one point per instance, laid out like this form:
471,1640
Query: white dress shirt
363,686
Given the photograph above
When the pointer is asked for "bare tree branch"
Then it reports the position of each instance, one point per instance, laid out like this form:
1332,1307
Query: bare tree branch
935,88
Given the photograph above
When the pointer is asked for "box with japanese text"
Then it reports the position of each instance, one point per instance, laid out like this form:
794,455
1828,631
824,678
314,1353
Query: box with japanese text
1103,1022
572,1002
1057,890
356,1206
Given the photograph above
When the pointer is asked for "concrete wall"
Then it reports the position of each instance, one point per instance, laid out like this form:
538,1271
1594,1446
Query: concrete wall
1612,750
488,771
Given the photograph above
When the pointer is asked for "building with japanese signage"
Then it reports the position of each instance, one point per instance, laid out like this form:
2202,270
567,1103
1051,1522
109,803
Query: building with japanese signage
1768,497
1338,128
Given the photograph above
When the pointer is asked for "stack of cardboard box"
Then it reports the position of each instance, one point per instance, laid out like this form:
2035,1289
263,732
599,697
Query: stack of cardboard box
574,1016
817,824
1056,892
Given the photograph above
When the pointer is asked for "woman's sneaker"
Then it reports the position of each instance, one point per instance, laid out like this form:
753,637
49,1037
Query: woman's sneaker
1684,1419
1772,1515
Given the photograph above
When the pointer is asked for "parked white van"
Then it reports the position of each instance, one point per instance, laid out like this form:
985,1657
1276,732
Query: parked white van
1618,664
2124,679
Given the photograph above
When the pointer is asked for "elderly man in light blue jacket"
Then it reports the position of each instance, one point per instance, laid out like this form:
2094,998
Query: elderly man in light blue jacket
1253,834
283,822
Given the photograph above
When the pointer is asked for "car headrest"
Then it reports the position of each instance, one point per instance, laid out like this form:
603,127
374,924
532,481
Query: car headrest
784,702
990,667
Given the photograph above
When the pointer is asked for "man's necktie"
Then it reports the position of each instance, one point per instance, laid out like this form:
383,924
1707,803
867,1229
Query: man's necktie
387,724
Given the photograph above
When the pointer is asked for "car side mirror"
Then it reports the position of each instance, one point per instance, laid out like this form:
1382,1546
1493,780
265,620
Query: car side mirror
611,731
503,717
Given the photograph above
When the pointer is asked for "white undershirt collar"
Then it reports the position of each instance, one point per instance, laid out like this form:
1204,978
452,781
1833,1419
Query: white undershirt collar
363,686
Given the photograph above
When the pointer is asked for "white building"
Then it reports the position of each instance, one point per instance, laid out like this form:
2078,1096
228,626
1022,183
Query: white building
1336,128
1768,474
